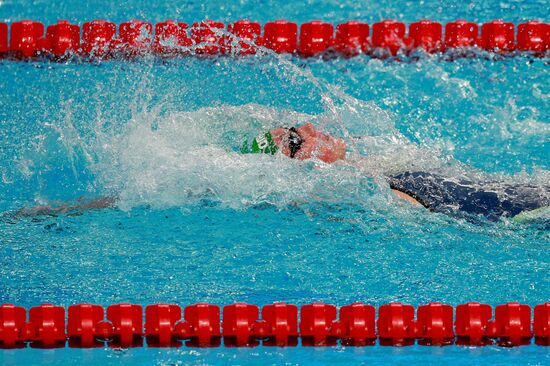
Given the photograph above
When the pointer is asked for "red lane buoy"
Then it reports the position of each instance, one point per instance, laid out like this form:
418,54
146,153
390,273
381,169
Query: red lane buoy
435,324
427,35
3,38
533,36
282,324
395,324
472,322
318,325
206,36
388,37
541,324
135,38
82,325
127,321
160,325
352,38
12,324
46,326
238,325
97,37
204,324
281,36
512,324
316,321
244,37
62,38
497,36
357,324
171,38
315,37
461,33
25,38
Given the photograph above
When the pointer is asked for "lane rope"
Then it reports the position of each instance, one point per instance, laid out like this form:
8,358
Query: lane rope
278,324
99,39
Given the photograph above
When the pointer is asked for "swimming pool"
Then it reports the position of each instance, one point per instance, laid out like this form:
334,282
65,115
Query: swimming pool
199,222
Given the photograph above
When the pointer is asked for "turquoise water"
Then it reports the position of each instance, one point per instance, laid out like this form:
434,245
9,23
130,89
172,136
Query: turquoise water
198,222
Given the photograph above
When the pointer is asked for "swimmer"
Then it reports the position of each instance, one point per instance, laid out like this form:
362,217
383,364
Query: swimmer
436,193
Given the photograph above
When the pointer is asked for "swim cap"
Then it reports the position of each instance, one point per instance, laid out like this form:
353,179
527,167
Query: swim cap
263,143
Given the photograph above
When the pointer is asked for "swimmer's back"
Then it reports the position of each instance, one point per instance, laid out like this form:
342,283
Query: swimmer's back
445,195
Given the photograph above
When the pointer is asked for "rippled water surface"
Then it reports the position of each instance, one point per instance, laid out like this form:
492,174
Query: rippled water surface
196,221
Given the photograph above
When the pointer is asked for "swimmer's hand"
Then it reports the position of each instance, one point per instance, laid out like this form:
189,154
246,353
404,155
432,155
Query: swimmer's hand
77,207
315,144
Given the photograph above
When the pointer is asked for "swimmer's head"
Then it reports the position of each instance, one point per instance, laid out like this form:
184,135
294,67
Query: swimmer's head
305,142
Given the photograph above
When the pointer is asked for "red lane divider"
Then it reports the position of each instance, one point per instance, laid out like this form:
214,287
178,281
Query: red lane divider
352,38
315,37
61,38
244,34
3,38
318,324
97,37
461,33
533,36
281,36
208,37
497,35
427,35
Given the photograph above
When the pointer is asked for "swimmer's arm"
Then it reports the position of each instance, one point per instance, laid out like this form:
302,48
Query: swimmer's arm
406,197
79,206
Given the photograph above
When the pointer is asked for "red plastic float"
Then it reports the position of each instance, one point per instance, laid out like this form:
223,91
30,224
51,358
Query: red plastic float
388,35
512,324
46,326
127,320
204,325
12,325
25,37
427,35
206,36
281,36
282,320
160,325
435,324
3,38
62,38
533,36
315,37
135,38
356,325
352,38
316,324
541,324
239,322
246,36
472,321
461,33
97,37
396,325
84,325
171,38
497,36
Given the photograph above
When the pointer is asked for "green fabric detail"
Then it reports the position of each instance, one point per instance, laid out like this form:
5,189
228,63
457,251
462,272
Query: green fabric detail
263,143
532,215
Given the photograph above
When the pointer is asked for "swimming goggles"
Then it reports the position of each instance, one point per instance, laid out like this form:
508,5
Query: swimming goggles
294,141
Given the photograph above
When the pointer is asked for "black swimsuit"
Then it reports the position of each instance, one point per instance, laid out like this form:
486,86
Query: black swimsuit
443,195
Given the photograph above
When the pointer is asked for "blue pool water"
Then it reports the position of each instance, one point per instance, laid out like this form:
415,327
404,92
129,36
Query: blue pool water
198,222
